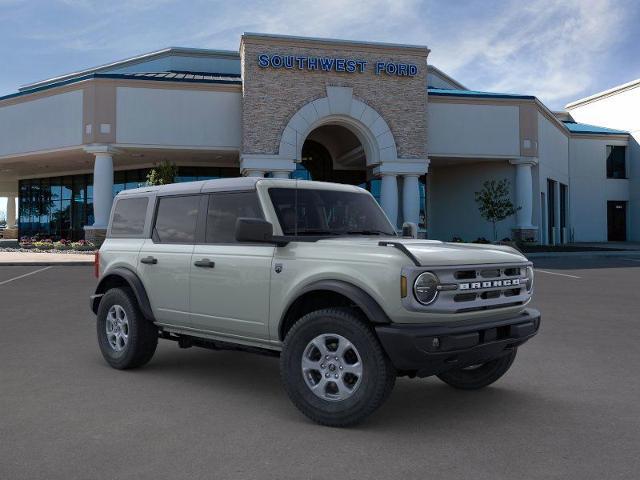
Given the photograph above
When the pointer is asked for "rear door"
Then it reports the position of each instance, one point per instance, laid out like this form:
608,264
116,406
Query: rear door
164,262
230,280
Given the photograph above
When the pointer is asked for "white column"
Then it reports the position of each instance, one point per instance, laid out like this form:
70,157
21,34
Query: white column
524,194
102,188
254,173
11,212
280,174
389,197
411,198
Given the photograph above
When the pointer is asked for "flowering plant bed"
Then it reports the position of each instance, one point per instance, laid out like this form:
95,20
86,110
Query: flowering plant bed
35,244
50,250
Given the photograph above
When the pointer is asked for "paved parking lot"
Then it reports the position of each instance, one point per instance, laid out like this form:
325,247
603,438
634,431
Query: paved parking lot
569,408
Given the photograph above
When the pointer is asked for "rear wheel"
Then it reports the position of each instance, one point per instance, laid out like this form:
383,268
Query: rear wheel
126,338
334,369
481,375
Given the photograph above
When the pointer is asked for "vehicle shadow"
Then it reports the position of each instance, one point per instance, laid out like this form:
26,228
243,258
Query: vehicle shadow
426,403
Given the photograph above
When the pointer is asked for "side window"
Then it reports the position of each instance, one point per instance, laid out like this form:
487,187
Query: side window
224,210
176,219
616,167
128,217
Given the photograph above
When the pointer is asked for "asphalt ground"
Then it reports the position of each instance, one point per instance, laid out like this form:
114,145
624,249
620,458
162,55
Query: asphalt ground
568,408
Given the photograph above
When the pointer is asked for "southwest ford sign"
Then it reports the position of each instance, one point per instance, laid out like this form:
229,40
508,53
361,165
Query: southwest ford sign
334,64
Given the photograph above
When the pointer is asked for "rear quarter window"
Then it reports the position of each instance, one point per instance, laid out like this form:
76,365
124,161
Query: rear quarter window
129,216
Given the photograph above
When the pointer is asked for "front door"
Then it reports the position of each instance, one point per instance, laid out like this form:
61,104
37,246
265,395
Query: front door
230,280
617,221
164,262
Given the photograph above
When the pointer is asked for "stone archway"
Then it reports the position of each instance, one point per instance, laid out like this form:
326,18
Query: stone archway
339,107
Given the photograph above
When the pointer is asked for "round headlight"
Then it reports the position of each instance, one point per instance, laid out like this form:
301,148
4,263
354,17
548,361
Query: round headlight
425,288
529,279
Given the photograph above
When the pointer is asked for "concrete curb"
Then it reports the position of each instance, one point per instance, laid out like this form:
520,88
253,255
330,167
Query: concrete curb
617,253
46,264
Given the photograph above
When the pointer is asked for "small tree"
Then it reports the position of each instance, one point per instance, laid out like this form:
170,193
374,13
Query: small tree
164,173
494,203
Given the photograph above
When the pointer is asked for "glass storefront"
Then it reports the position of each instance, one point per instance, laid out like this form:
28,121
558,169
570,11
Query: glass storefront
59,207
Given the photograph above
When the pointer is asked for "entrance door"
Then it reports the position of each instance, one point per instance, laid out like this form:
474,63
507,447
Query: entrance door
617,221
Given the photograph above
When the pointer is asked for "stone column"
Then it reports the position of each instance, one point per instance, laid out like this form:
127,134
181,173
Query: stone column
280,174
11,212
411,198
102,192
524,230
389,196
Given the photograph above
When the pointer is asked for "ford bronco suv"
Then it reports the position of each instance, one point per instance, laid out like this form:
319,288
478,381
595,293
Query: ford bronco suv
315,273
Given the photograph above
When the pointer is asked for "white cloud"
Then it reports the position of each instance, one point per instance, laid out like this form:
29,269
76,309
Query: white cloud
546,48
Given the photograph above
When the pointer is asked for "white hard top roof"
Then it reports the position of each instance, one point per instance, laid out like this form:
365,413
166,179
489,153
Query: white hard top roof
230,184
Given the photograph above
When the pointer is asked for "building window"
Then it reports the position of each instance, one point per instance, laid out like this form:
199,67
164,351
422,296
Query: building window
59,207
616,164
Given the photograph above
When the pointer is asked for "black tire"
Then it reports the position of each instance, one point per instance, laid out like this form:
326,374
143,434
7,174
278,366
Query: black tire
142,334
378,375
474,378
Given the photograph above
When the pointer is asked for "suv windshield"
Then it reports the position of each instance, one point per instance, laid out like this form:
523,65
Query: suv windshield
328,212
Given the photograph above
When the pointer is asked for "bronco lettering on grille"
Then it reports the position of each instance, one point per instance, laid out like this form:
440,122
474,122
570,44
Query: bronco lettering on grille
489,284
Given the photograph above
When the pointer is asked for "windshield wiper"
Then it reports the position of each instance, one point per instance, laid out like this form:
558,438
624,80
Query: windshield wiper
367,232
311,231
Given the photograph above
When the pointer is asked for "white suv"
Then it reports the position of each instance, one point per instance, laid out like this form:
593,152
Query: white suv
312,272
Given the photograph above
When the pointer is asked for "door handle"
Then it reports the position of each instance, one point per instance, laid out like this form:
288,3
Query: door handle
205,263
149,260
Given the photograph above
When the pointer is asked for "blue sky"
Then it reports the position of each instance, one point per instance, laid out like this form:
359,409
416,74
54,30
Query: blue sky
557,50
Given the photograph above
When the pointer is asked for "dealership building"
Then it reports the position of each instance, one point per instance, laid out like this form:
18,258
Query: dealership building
370,114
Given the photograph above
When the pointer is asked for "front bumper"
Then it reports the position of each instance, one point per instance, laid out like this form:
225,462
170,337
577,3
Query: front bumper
427,350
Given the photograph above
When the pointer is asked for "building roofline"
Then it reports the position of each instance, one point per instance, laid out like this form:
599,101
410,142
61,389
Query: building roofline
604,93
120,76
562,125
588,129
336,41
133,61
448,78
445,92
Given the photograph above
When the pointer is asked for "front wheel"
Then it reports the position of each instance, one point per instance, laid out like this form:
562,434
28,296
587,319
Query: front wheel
334,369
481,375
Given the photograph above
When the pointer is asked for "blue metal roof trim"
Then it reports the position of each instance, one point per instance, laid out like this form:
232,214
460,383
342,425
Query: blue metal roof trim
585,128
225,80
444,92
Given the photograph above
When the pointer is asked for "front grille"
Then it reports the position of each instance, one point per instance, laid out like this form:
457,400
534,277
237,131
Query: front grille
472,288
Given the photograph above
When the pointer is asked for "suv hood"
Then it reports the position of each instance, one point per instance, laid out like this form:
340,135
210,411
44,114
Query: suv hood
435,253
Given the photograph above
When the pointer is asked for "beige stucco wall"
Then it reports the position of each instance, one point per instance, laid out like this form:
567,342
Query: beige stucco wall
473,129
272,96
50,122
178,117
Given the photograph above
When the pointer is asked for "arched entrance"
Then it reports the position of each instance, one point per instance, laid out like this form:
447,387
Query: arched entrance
332,153
339,138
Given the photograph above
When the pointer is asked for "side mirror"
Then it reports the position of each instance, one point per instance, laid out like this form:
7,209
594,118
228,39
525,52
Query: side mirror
410,230
254,230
